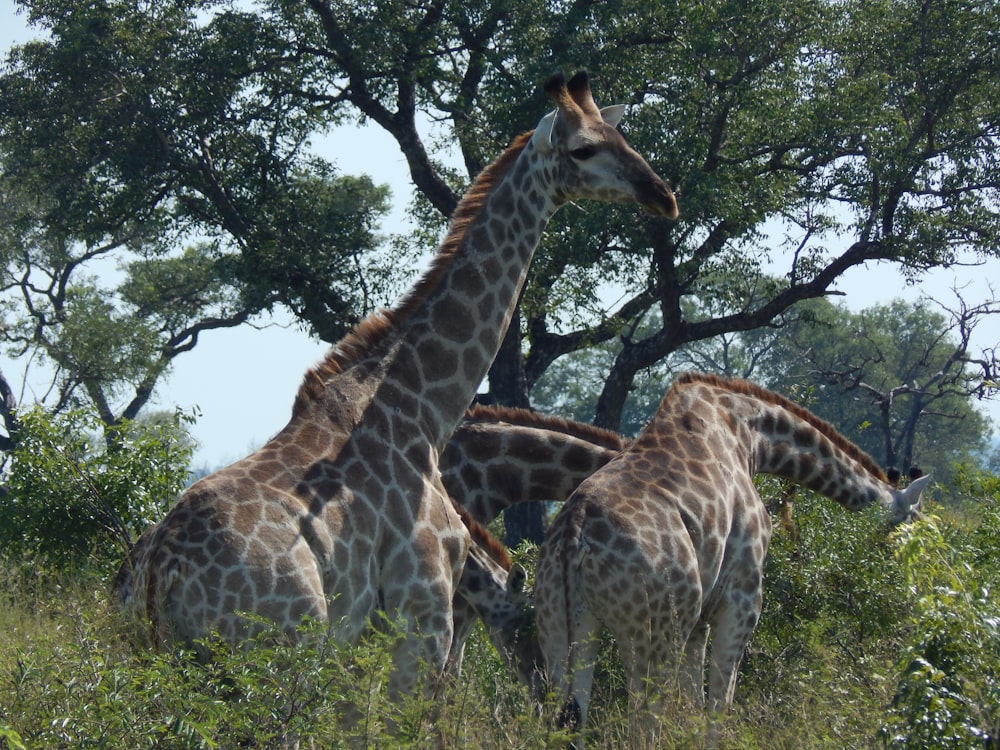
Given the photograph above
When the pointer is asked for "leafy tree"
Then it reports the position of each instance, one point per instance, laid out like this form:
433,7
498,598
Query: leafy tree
806,138
156,185
897,378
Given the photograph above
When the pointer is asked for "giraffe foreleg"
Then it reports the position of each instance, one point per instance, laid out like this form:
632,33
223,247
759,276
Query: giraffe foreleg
464,616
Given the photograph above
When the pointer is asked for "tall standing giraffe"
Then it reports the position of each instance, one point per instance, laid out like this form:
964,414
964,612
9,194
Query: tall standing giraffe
343,513
668,540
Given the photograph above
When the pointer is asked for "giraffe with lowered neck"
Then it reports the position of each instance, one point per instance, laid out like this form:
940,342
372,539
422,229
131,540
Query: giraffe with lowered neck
343,513
499,456
666,543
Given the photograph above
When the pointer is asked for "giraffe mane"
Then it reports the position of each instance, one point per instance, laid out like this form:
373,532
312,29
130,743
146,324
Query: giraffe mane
528,418
756,391
377,325
482,537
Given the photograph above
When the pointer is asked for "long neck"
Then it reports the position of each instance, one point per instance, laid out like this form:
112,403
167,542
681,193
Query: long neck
450,326
497,457
813,455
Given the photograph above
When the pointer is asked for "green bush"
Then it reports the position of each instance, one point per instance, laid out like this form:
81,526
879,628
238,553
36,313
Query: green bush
819,668
76,490
948,693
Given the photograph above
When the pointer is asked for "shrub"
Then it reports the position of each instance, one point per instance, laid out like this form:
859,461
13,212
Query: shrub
72,497
948,692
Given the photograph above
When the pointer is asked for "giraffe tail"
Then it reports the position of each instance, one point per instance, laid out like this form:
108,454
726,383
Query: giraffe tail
580,629
570,715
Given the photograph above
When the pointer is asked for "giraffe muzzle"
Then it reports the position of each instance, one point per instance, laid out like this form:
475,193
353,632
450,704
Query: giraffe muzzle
659,200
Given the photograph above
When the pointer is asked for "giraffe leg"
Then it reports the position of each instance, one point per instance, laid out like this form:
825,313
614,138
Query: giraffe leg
731,630
645,688
567,634
465,620
573,679
693,671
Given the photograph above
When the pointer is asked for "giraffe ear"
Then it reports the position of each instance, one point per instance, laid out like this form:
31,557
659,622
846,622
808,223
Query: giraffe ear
613,115
542,137
912,492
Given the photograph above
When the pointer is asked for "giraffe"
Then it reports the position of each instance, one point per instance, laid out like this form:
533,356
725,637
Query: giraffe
496,457
491,588
343,513
668,540
499,456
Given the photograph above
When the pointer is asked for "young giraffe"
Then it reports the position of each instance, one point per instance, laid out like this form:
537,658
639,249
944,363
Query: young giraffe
343,514
669,538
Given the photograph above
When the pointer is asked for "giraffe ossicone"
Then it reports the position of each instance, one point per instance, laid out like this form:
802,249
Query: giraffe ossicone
665,544
343,513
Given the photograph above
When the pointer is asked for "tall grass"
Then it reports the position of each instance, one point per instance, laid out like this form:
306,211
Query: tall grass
865,638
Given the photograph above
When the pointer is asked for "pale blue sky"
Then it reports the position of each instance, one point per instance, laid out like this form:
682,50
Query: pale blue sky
244,380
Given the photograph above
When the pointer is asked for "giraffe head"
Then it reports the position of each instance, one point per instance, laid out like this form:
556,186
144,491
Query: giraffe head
905,504
591,158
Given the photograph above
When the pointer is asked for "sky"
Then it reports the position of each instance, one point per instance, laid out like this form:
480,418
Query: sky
243,381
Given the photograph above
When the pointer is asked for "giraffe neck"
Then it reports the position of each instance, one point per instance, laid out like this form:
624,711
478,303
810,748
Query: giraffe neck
789,441
794,449
499,456
428,355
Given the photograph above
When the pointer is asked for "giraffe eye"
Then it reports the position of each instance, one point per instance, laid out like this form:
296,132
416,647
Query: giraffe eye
583,153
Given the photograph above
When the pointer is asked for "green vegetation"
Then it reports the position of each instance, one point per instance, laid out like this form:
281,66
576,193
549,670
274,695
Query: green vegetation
170,141
77,492
157,184
868,639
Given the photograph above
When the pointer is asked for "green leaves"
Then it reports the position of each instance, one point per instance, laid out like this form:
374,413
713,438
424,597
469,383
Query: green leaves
74,498
948,693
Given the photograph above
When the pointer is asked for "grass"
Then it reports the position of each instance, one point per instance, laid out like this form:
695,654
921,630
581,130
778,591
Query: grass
70,677
865,642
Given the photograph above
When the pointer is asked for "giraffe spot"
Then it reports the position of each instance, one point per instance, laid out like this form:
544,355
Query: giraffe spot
452,321
598,530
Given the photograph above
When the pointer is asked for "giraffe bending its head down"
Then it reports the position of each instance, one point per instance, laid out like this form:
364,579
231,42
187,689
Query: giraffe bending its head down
496,457
342,513
668,540
499,456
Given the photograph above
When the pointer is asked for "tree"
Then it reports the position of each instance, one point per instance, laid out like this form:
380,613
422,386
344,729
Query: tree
156,186
899,378
805,138
891,147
